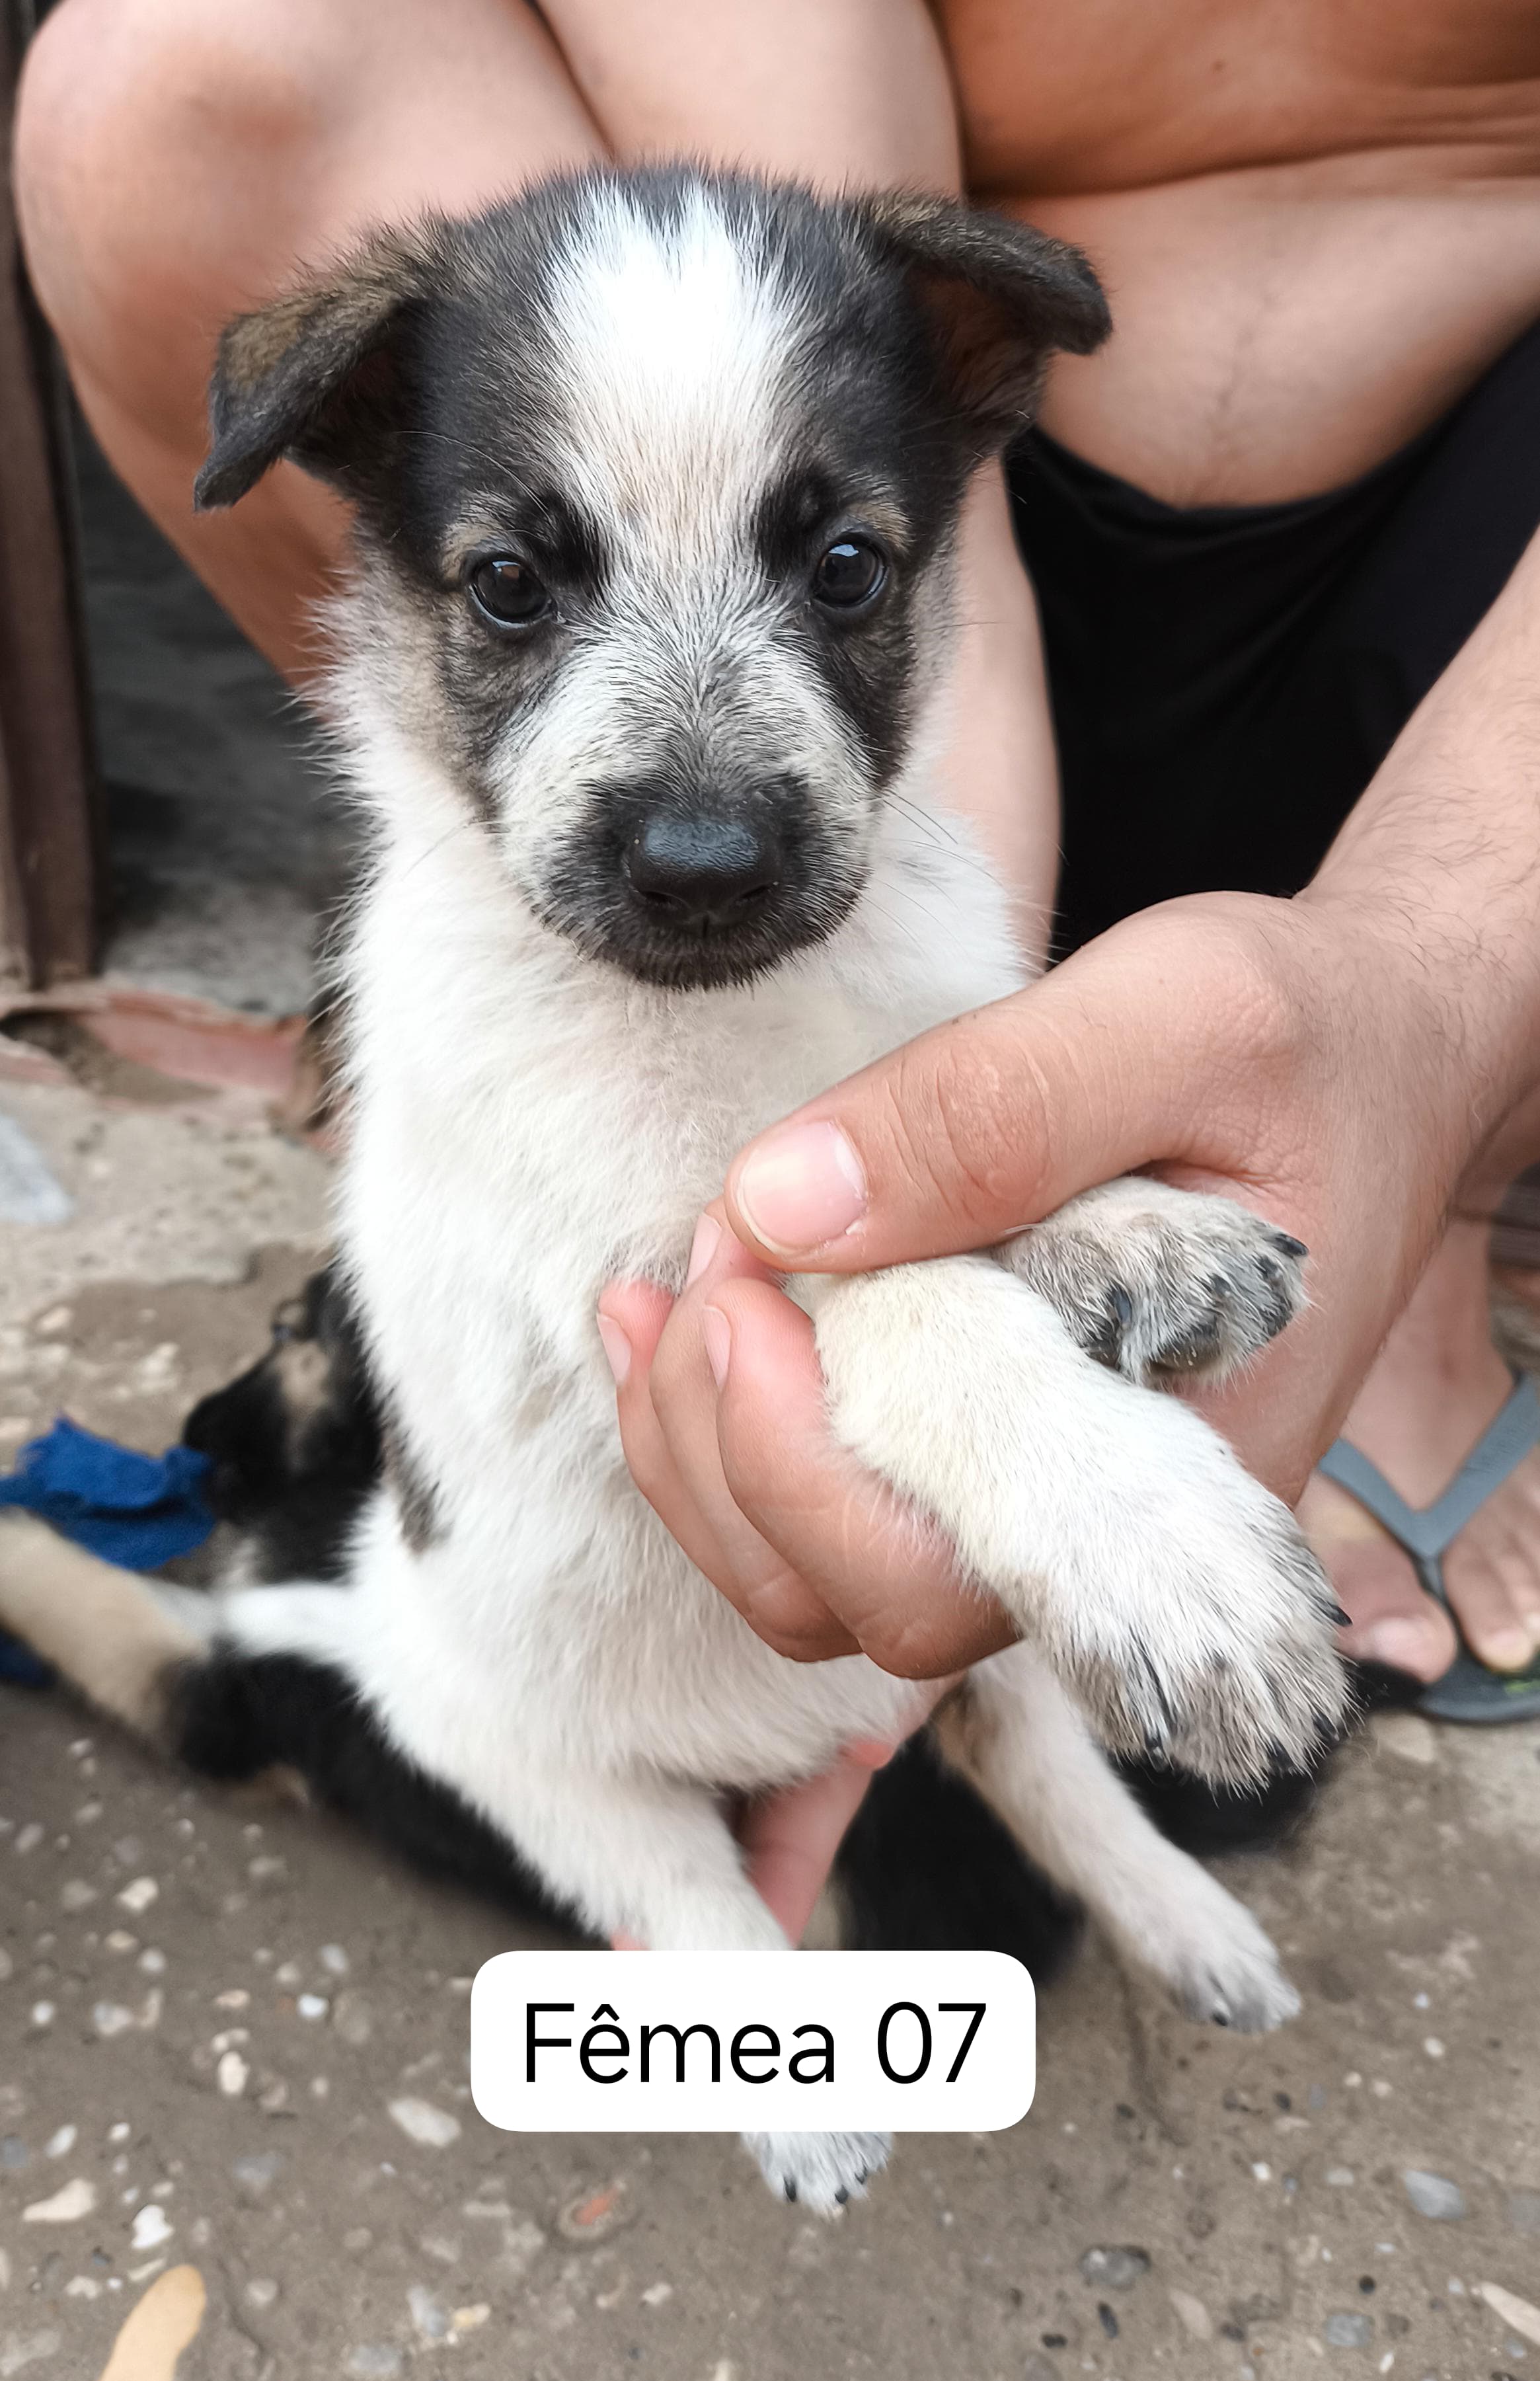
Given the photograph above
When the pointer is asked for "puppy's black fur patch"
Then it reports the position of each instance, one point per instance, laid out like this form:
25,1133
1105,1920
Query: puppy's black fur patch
236,1715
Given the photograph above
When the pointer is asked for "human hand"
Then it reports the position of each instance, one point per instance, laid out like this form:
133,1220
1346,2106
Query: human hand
1288,1054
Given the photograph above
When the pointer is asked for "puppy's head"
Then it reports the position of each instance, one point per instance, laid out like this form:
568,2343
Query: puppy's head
656,478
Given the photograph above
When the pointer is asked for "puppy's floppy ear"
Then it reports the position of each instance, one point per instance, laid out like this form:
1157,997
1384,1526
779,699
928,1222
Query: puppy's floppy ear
1004,297
314,375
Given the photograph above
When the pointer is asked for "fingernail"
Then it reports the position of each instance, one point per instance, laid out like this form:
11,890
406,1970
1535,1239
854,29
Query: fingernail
702,1248
719,1343
870,1752
1506,1649
616,1347
1402,1645
801,1188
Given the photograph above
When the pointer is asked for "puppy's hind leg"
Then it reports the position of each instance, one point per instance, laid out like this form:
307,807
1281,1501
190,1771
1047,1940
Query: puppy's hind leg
652,1858
116,1640
1014,1732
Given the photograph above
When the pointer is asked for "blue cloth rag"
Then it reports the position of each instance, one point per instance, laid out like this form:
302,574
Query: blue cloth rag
138,1510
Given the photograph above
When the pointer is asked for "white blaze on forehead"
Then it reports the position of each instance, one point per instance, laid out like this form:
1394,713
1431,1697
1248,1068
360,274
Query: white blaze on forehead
672,341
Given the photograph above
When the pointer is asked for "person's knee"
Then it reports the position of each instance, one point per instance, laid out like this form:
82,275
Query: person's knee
145,126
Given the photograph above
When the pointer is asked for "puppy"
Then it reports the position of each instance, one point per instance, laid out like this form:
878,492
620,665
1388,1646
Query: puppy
640,676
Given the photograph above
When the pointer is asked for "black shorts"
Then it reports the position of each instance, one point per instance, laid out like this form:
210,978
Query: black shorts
1226,679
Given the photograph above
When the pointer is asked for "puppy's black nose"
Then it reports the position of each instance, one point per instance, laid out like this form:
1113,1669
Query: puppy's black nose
701,873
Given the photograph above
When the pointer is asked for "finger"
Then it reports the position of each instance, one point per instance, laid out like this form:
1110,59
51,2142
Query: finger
1128,1054
790,1840
754,1574
886,1574
632,1316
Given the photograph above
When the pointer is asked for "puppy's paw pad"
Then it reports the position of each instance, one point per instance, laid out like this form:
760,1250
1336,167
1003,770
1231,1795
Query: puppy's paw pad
822,2171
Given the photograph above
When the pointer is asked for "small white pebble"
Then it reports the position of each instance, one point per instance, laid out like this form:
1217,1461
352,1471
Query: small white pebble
313,2006
118,1941
1420,2000
1262,2170
289,1975
470,2319
88,1814
151,2227
30,1838
118,2132
1456,2289
233,2000
659,2295
69,2204
43,2013
1380,2089
59,2144
111,2018
231,2074
75,1894
421,2121
1432,2046
82,2286
334,1959
319,2087
151,1962
138,1895
1352,2080
260,2293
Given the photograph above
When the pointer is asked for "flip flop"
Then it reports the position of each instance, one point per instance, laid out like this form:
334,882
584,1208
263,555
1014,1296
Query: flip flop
1468,1690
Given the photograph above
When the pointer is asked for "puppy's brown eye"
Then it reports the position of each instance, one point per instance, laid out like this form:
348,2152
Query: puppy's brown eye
506,591
850,573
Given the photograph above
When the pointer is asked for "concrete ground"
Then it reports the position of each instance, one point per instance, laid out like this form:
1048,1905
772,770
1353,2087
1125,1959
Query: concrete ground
235,2035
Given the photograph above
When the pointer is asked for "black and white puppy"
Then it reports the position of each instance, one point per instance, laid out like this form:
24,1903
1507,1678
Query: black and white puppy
642,673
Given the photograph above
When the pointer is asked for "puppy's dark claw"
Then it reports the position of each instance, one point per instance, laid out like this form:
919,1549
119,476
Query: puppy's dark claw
840,2196
789,2189
1289,1245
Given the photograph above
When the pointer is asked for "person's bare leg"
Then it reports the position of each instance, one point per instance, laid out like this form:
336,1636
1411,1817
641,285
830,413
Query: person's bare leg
176,161
1437,1384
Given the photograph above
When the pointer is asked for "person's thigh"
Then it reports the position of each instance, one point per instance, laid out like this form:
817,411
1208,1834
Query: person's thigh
176,159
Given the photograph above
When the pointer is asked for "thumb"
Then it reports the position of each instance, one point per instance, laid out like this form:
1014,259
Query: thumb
1128,1054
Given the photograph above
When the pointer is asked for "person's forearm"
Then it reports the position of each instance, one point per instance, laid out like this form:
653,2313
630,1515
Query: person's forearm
1440,864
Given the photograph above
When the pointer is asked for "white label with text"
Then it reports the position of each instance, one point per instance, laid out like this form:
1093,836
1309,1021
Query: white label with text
702,2042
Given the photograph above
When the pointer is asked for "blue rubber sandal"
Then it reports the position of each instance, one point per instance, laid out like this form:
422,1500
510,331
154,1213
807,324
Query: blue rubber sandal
1468,1691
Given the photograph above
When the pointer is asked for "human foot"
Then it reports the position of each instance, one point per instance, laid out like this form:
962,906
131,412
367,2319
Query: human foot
1436,1386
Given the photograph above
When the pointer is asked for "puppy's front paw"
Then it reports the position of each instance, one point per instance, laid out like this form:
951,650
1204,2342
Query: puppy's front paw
1211,1644
1163,1284
819,2170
